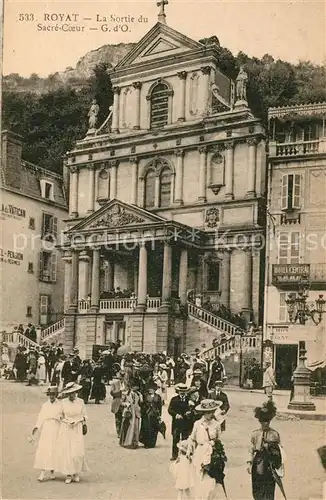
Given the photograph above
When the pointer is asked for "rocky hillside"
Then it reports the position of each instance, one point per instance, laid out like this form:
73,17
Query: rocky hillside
73,77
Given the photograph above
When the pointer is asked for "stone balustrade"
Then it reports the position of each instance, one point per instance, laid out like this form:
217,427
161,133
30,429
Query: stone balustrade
288,149
212,319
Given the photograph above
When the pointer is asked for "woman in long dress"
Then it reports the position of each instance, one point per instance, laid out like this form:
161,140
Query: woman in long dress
98,387
71,453
151,412
206,432
266,454
41,371
131,413
47,425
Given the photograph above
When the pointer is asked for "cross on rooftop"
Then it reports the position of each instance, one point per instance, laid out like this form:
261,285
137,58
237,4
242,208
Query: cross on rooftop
161,14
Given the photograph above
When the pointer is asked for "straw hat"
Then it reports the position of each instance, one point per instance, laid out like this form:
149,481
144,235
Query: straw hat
183,445
181,388
53,389
208,405
163,366
197,372
71,387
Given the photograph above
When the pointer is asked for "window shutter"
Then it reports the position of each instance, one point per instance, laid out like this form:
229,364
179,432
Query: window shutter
283,248
43,224
55,226
40,267
43,304
53,267
282,308
296,191
295,248
285,182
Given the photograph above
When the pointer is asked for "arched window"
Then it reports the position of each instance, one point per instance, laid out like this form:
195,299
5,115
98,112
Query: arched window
159,105
103,185
165,188
150,189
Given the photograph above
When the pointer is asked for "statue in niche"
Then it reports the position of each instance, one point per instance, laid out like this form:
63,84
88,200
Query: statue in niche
93,115
241,85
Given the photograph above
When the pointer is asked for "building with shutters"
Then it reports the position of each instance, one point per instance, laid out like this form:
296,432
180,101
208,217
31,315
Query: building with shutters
168,200
296,223
33,207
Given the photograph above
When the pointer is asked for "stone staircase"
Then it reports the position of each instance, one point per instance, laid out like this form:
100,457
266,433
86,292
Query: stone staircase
54,332
203,327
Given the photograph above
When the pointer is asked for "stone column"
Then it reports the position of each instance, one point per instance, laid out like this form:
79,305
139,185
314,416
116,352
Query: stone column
226,278
67,275
167,274
247,285
73,296
73,195
202,174
134,180
95,295
179,177
83,285
182,102
141,192
91,188
206,70
252,165
113,179
142,279
137,86
229,170
116,109
109,275
183,276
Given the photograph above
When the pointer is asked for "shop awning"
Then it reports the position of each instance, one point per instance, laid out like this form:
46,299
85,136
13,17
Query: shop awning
317,364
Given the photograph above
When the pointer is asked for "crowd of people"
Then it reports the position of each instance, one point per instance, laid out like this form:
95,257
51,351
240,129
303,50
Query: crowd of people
137,384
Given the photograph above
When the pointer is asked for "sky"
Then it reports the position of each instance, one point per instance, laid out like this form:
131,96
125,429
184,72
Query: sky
289,30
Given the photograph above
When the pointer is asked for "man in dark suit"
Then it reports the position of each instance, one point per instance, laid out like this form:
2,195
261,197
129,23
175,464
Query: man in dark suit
218,395
181,414
117,387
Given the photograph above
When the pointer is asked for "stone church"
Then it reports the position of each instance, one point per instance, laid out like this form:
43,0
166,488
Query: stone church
166,201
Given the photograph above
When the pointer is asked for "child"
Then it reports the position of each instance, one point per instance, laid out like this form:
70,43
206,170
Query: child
182,471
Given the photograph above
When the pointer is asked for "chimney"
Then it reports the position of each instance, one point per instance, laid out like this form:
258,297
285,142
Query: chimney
11,153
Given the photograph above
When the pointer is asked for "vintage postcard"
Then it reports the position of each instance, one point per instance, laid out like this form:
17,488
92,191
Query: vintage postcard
163,249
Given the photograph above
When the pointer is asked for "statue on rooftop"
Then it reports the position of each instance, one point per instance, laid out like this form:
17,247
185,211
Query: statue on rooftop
93,115
241,85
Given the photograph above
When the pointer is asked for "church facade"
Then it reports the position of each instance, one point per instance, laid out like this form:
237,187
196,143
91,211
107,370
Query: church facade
169,199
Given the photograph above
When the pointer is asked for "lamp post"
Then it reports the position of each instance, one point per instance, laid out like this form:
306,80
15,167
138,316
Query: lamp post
300,312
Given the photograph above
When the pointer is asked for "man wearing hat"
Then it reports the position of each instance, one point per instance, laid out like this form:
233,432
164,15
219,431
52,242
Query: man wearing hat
117,387
217,395
181,414
269,380
217,372
199,382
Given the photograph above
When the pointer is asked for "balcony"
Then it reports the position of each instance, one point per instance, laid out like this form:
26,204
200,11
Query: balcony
119,305
297,148
287,276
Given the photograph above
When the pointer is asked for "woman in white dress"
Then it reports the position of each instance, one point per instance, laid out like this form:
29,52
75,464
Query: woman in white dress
71,452
205,433
41,372
48,425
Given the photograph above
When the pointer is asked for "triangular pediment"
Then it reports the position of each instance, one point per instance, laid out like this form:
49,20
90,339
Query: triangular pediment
160,41
116,214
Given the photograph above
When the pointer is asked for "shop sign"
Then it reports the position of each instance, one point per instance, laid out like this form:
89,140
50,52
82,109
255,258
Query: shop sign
12,211
11,257
290,273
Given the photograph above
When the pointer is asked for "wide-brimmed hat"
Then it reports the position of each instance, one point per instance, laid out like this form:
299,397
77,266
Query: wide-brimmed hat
197,372
208,405
183,445
71,387
53,389
266,412
163,365
181,388
219,382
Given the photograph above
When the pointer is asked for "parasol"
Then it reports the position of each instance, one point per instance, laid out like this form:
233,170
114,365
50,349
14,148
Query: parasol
106,352
278,481
123,350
